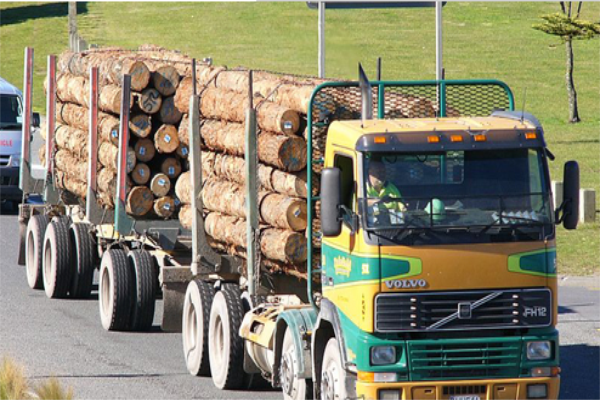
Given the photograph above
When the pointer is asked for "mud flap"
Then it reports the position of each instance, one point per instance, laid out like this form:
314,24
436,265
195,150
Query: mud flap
174,285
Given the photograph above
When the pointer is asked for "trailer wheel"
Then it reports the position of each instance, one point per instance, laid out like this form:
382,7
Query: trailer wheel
57,262
34,245
293,388
333,375
85,259
195,322
226,347
145,296
115,290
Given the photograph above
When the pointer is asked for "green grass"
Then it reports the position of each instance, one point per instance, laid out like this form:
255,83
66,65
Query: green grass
482,40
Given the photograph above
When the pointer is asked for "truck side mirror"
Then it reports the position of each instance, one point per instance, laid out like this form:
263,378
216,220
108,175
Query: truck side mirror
35,120
570,205
331,189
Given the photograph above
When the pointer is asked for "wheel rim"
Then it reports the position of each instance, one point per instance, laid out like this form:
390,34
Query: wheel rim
48,264
219,341
105,291
327,386
30,260
192,327
287,373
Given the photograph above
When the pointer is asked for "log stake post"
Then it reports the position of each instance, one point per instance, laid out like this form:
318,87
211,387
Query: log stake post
50,193
26,181
252,230
93,211
202,253
123,223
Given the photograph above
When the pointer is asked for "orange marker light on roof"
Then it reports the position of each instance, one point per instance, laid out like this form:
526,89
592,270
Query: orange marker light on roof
530,135
433,139
456,138
380,139
480,138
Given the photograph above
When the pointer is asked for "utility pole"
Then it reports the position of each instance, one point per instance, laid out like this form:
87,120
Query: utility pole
321,39
73,37
439,66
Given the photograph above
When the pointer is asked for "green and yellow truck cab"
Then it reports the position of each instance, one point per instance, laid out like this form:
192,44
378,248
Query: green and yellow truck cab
436,276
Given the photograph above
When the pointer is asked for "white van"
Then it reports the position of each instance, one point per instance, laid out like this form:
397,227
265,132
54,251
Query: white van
11,119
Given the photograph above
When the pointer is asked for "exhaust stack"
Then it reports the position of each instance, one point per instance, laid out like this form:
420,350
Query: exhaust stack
366,92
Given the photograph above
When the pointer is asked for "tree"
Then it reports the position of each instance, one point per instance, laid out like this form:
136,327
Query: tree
569,27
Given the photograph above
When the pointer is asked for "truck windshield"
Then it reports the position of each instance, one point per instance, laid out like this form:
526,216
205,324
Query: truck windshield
478,190
11,114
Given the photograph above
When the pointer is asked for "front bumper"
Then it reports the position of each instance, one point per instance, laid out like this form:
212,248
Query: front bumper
9,184
441,390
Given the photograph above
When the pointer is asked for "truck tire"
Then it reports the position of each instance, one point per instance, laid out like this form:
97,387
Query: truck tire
115,290
333,375
226,347
85,259
293,388
57,262
142,314
34,245
195,322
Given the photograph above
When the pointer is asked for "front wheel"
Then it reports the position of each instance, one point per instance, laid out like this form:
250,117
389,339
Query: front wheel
333,375
293,387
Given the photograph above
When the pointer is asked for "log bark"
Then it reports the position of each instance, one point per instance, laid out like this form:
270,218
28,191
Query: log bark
185,216
141,125
164,207
76,89
149,101
144,150
165,79
73,167
63,181
166,139
285,152
112,66
230,106
183,188
168,114
171,167
230,198
140,174
139,201
108,155
160,185
72,139
232,168
78,117
276,244
183,131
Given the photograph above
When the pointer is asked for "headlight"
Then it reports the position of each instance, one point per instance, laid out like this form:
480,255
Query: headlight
539,350
15,160
383,355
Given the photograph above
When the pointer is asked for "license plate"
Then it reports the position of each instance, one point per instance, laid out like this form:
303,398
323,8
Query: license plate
468,397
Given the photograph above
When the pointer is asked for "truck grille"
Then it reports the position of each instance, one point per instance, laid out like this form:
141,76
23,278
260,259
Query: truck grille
464,359
485,309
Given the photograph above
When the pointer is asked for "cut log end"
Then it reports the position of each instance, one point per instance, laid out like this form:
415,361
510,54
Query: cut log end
160,185
140,174
144,150
166,139
164,207
166,80
141,125
139,201
171,167
150,101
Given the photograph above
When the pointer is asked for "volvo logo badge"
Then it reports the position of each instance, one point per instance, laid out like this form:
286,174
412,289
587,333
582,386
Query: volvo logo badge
464,310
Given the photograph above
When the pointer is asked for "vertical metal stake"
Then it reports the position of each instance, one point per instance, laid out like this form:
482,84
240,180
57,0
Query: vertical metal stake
123,223
25,180
196,177
251,192
91,200
439,66
50,194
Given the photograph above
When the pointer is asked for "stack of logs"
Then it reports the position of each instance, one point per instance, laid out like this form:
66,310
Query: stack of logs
159,183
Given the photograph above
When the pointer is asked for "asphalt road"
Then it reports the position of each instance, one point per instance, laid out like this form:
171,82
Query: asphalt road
64,338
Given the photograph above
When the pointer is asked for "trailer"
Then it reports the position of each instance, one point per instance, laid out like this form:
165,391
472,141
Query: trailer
432,275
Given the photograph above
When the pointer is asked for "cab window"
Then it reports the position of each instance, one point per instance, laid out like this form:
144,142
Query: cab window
345,164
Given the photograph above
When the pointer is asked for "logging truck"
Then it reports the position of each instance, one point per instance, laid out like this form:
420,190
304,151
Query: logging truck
430,259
